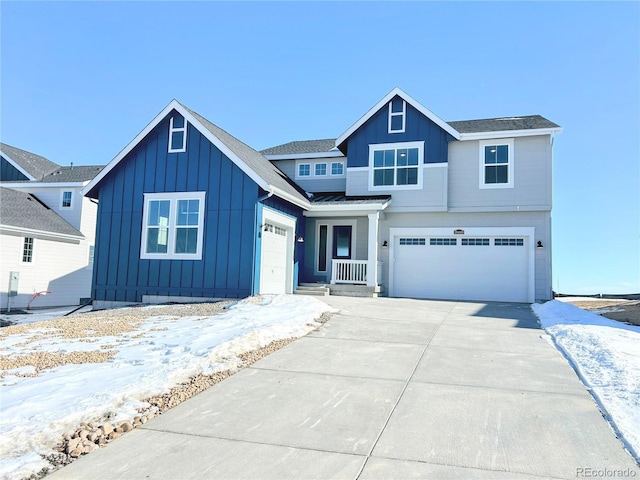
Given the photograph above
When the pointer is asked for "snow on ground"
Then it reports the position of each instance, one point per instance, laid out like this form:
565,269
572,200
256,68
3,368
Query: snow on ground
41,314
606,355
161,353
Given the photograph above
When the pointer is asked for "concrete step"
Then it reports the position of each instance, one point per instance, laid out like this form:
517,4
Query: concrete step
312,289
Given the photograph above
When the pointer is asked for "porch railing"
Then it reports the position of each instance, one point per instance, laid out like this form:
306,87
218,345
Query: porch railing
349,271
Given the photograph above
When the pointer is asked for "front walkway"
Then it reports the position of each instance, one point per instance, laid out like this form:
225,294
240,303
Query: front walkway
389,388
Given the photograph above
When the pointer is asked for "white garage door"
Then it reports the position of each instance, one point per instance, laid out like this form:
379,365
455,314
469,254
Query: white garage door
489,268
273,273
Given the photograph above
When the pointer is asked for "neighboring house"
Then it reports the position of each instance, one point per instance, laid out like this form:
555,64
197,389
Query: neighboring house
402,203
47,229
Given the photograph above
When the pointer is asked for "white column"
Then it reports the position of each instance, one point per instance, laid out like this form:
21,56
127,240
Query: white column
372,250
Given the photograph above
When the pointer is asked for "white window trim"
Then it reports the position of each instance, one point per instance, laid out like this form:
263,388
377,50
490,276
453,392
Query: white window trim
337,174
402,114
298,165
510,165
312,169
173,197
62,207
173,130
315,166
387,146
33,251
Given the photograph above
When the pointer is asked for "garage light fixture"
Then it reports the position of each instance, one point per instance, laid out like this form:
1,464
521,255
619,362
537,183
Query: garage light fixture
385,244
539,244
300,239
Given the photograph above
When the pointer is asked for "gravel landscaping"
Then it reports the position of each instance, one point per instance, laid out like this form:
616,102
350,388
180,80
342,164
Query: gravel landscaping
111,328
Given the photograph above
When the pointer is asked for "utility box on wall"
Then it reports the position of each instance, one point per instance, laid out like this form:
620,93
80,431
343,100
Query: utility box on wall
14,278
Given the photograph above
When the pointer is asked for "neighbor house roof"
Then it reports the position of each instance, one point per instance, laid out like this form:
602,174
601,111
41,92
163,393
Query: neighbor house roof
251,162
24,211
31,165
73,174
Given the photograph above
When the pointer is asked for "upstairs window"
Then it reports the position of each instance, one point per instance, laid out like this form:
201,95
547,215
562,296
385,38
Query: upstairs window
177,134
321,169
27,250
396,165
304,170
496,164
66,199
397,115
337,168
173,225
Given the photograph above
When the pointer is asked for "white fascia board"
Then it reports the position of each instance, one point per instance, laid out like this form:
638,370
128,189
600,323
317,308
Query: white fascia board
301,156
175,105
29,185
10,229
346,210
407,98
508,133
16,166
288,197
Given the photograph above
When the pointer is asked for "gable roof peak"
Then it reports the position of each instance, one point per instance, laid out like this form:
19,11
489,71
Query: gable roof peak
397,91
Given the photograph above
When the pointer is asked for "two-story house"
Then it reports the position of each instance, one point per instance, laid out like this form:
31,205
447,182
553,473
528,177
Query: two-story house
47,230
401,202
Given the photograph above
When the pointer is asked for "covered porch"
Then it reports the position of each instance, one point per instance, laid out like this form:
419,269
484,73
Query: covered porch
342,243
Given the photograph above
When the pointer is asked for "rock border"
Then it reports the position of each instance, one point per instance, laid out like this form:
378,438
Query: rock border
94,435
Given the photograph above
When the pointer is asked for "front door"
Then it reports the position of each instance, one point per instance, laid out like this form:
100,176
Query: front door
342,242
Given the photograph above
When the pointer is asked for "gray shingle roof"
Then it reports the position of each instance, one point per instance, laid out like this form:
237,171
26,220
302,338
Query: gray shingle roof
81,173
529,122
24,210
302,146
33,164
341,198
254,160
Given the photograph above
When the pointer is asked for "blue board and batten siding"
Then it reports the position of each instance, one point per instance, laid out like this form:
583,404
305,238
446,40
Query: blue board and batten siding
417,128
9,173
225,270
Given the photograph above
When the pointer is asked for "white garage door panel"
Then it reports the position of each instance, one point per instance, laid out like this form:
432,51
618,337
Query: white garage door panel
462,271
273,273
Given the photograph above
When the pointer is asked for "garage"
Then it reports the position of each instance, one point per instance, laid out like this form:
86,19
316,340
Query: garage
480,264
276,253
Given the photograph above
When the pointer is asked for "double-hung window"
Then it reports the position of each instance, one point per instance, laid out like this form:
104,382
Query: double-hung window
496,163
173,225
177,134
66,199
397,115
396,165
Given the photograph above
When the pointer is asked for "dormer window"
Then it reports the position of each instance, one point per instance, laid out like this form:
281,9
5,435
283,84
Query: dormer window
66,199
177,134
397,115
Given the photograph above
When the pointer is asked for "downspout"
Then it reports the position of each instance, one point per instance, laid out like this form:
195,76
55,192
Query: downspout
255,239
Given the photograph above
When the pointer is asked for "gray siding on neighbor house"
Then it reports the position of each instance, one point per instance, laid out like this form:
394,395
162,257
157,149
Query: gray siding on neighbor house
431,197
314,184
532,177
539,220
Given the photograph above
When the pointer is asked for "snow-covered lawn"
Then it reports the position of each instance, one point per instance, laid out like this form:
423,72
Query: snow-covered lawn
161,352
606,355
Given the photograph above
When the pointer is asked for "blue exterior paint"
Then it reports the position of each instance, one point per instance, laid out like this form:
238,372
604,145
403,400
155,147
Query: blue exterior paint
227,267
417,128
9,173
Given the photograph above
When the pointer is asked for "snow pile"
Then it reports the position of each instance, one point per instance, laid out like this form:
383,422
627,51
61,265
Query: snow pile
606,355
162,352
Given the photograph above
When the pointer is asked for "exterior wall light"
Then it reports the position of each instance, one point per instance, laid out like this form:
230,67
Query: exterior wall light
539,244
300,239
385,244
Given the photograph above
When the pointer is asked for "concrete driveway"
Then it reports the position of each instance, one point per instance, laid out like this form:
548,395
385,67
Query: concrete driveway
388,388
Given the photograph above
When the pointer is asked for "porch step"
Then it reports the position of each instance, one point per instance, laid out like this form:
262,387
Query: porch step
348,290
316,289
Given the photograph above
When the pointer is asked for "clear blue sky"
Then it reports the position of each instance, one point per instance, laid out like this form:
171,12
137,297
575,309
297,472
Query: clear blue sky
81,79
